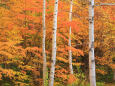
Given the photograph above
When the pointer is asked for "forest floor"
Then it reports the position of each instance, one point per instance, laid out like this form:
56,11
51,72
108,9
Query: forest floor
112,84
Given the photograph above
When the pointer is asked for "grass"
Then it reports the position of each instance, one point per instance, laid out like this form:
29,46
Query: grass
103,84
111,84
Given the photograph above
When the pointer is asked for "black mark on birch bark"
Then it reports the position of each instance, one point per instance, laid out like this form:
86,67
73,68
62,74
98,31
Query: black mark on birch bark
93,60
92,46
90,3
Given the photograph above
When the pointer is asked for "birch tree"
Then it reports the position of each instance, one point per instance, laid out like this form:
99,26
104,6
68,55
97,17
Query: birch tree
43,45
53,59
70,52
92,74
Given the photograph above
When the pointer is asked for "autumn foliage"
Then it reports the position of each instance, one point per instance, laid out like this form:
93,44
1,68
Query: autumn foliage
21,41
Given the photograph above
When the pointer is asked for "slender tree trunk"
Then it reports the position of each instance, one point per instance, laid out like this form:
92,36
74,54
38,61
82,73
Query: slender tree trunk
70,52
92,74
43,45
53,59
114,74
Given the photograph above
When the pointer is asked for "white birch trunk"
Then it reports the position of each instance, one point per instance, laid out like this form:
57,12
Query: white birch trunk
43,45
92,74
53,59
70,52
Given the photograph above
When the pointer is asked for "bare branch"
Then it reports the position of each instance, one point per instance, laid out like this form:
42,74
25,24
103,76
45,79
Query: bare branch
104,4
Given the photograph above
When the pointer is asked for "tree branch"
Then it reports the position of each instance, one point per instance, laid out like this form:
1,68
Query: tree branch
104,4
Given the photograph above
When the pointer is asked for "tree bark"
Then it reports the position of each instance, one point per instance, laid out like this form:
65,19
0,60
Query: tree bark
92,74
43,45
70,52
53,59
